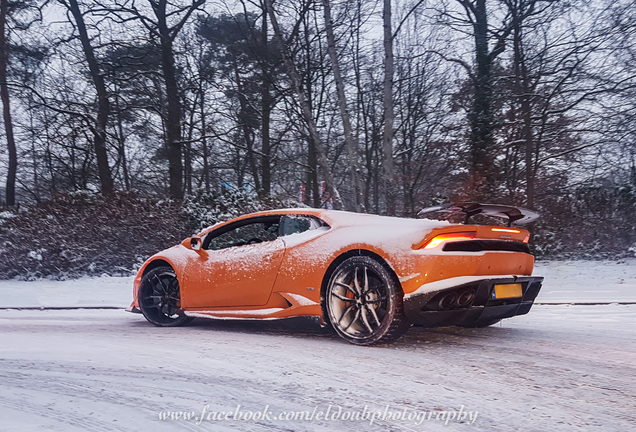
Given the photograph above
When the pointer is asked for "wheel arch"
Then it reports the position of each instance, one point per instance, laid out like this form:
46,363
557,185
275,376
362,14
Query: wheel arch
148,266
161,308
340,259
159,262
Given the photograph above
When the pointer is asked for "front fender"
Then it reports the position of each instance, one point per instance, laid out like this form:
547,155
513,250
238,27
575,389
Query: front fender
176,257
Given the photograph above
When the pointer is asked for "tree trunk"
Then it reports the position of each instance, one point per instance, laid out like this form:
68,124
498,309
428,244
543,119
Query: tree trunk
122,146
266,109
313,194
247,132
524,92
389,115
187,162
35,167
481,120
351,141
173,112
103,106
314,136
6,107
204,141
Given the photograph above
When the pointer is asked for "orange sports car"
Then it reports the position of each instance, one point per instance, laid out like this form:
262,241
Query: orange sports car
369,277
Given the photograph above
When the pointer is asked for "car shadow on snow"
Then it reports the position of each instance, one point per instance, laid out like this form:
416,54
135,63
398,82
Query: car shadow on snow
296,326
303,327
455,333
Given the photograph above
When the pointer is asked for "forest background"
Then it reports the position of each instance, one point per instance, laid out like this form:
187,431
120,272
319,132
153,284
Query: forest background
129,124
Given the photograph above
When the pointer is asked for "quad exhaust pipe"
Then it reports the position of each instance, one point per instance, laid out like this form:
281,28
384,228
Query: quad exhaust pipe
447,301
466,298
456,299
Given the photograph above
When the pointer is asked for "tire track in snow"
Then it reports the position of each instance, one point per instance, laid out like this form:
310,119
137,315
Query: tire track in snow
530,373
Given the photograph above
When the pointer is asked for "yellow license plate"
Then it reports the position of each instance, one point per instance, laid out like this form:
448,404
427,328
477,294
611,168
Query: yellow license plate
507,291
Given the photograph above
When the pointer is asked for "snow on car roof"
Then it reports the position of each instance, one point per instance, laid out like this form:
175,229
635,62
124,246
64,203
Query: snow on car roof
345,218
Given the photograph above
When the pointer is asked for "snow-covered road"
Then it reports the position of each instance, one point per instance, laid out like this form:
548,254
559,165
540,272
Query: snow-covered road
561,367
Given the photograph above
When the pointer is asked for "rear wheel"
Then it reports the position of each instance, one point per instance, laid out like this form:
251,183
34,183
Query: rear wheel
363,302
160,298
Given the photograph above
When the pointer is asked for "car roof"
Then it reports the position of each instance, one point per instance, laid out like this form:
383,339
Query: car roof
342,218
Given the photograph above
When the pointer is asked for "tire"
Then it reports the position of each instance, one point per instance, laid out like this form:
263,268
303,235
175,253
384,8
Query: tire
363,302
160,298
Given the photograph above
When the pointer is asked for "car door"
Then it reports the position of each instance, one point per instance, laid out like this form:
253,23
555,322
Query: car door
239,266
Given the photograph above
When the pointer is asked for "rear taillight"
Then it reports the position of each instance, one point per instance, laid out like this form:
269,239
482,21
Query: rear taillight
512,231
507,230
443,238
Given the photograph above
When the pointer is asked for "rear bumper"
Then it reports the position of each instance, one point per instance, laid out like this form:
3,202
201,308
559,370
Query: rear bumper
470,304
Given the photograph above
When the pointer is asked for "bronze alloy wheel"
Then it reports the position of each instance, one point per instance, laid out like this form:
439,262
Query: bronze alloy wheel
363,302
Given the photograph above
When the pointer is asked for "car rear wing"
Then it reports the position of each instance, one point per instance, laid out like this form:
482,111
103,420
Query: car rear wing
517,215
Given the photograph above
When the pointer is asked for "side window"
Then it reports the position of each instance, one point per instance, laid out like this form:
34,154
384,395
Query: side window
245,234
295,224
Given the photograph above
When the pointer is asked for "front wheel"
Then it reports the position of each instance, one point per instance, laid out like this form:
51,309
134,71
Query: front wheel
363,302
160,298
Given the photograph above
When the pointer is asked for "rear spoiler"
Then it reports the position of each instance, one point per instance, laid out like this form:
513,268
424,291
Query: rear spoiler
517,215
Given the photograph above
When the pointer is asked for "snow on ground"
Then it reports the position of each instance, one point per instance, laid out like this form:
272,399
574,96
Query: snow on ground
587,281
562,367
102,291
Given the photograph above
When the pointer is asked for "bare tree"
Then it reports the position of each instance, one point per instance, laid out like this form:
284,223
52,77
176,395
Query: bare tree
167,33
481,115
103,103
16,19
389,115
351,142
314,136
170,16
6,104
267,104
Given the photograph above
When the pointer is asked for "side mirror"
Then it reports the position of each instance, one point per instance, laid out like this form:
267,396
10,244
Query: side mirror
195,243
